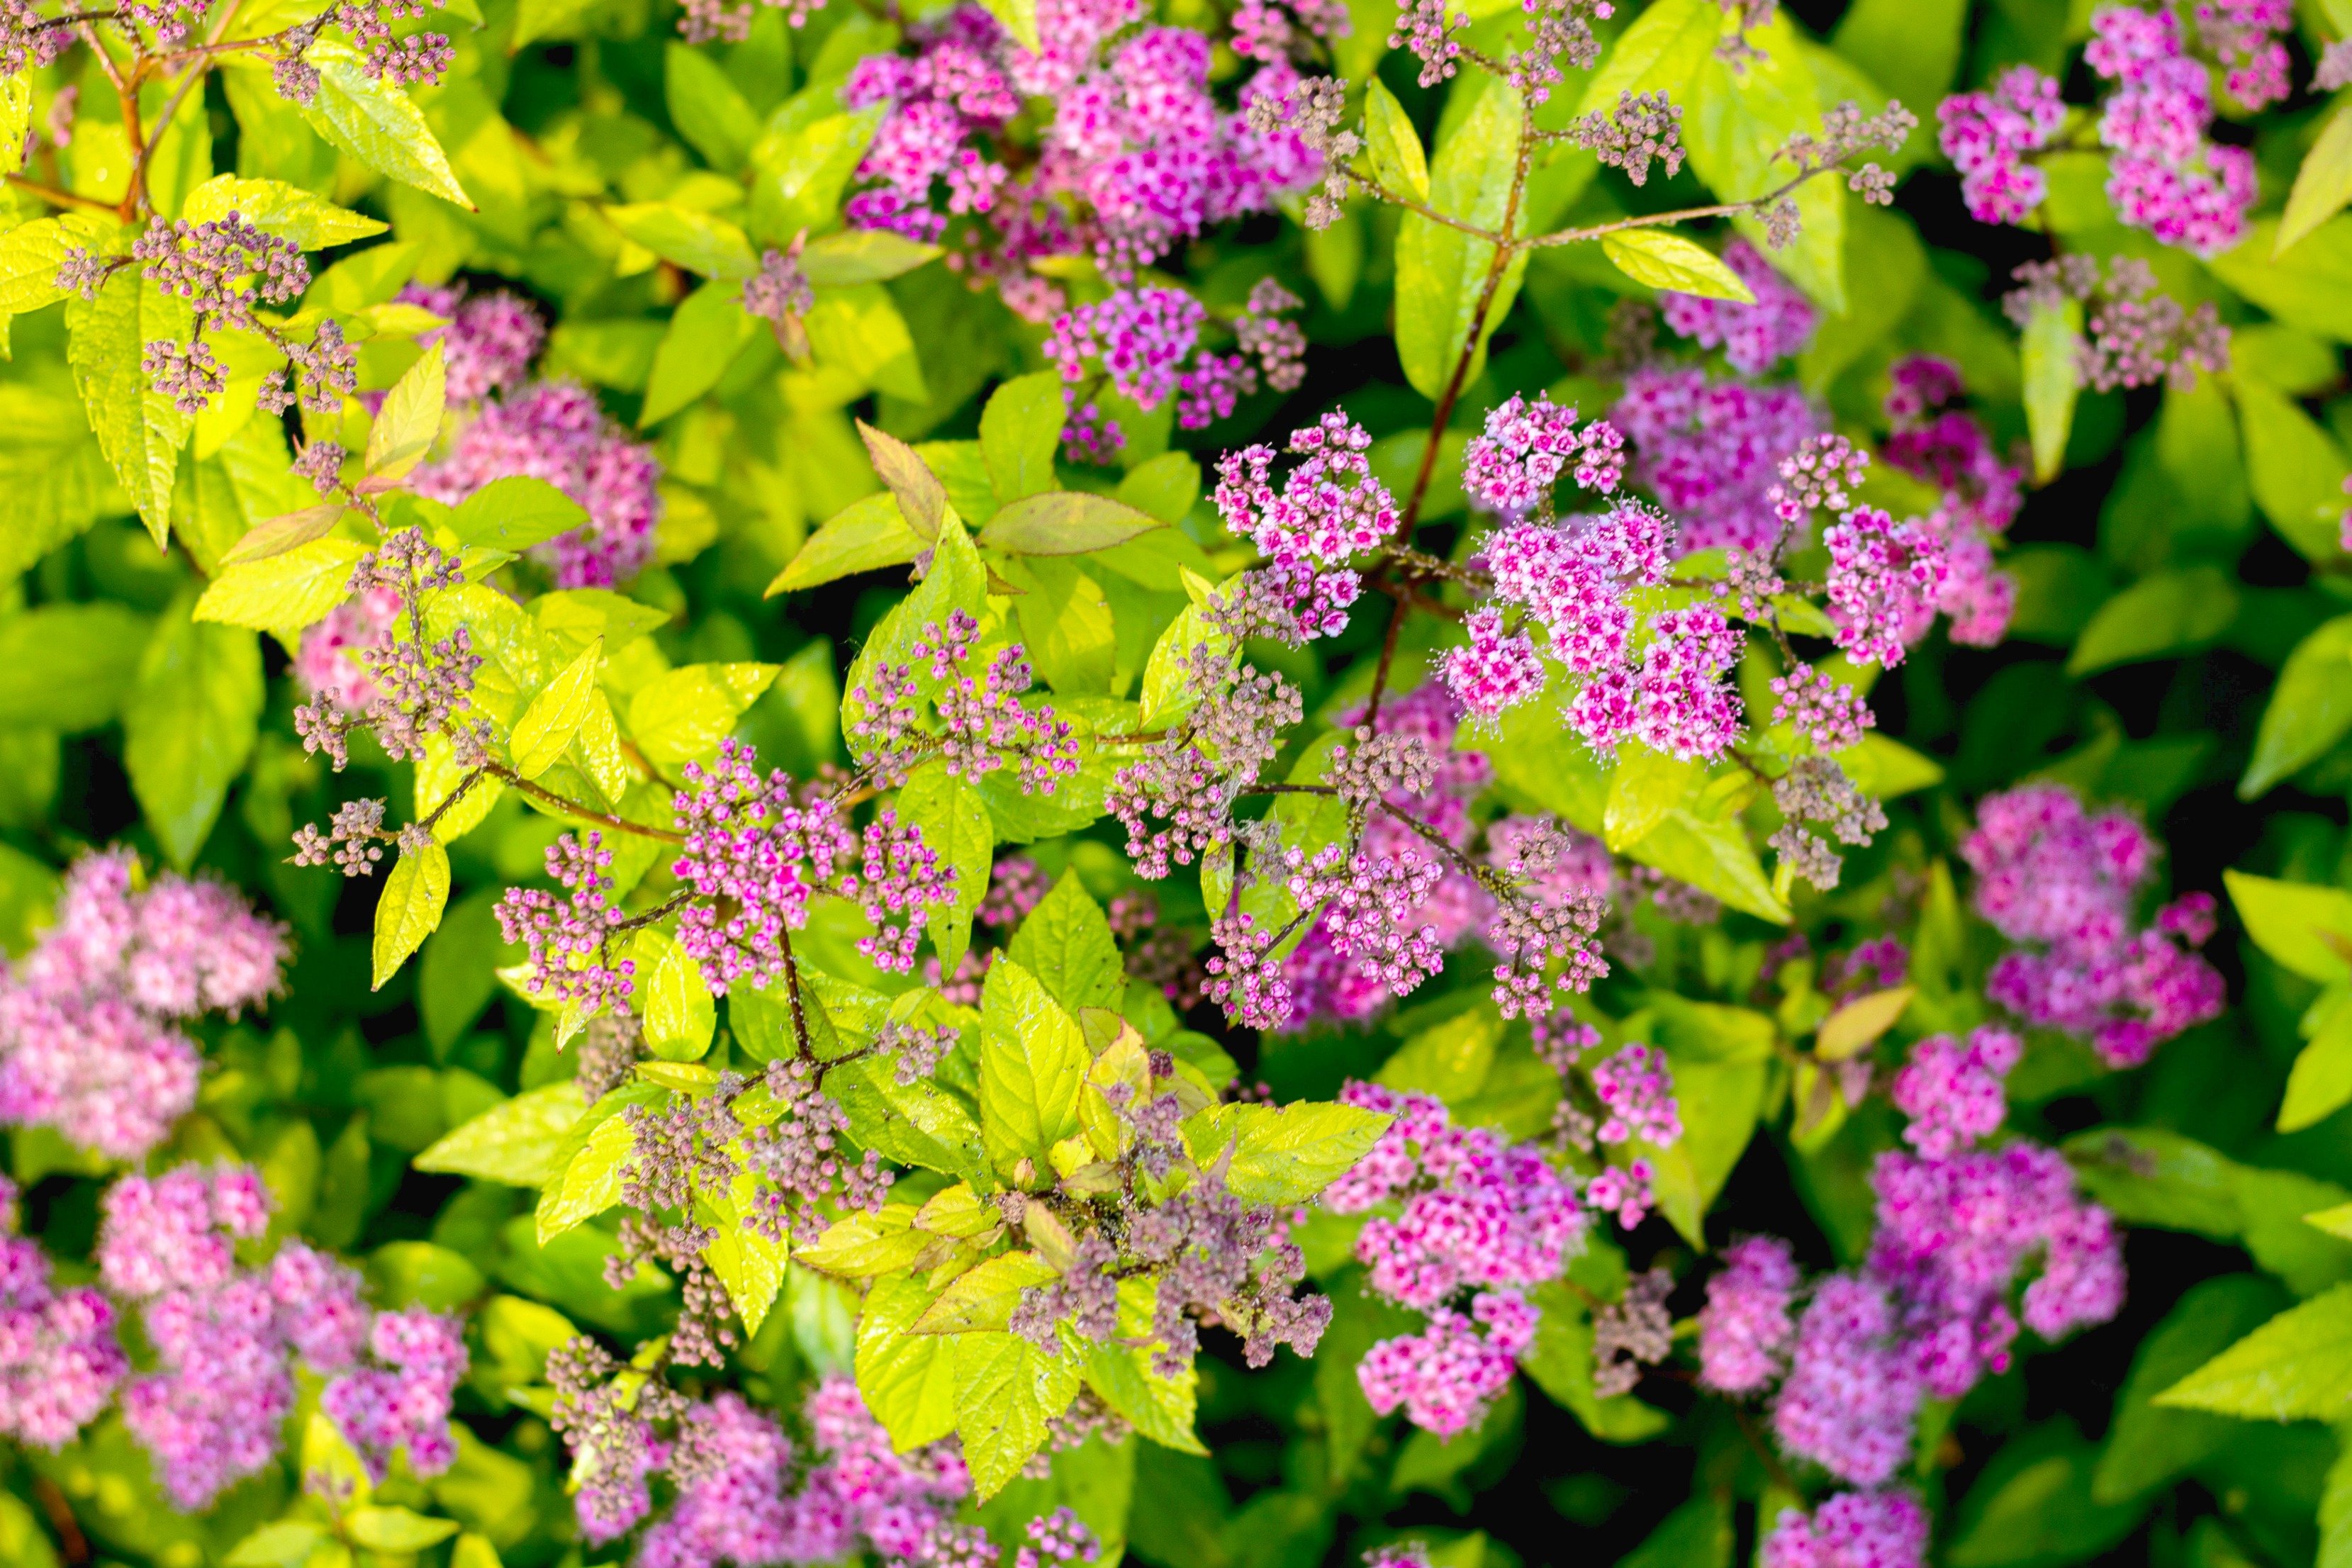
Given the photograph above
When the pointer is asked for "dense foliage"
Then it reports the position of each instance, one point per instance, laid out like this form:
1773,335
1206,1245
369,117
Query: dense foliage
1024,781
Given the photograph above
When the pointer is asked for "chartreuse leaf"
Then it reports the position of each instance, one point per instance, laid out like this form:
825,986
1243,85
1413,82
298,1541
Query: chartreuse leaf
515,513
190,725
283,1543
955,581
680,1016
515,1142
277,536
410,907
1065,942
29,257
859,1244
706,331
590,1182
908,1380
1020,19
922,499
867,534
2320,1083
854,255
2310,709
1283,1154
956,827
377,121
1444,276
1722,1102
1392,145
2048,347
2162,615
1856,1026
2294,469
545,730
1065,523
276,207
139,430
983,1298
694,241
2305,927
1006,1391
410,419
1740,114
1665,260
1033,1061
2322,186
682,715
1019,432
396,1529
284,592
2298,1366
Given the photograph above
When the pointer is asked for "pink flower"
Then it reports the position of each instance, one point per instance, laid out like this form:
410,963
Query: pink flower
1745,1329
1754,338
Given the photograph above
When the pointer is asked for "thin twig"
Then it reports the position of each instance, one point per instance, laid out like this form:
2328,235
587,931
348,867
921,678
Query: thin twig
548,796
58,196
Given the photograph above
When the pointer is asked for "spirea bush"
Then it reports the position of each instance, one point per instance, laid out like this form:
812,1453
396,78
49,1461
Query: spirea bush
1000,783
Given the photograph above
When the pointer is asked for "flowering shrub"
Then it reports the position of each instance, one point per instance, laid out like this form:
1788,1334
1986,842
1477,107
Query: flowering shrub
1001,783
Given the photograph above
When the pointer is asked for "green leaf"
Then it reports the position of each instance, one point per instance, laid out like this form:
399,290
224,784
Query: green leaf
276,207
1665,260
1699,1534
956,827
2320,1083
1122,1373
282,1544
545,730
862,255
277,536
2033,1505
692,240
1722,1102
1283,1154
908,1380
514,514
1065,523
29,257
1713,855
2305,927
857,330
1165,487
377,122
284,592
2308,285
983,1299
1856,1026
1006,1391
1392,145
139,430
682,714
2160,616
1033,1061
1559,1360
915,1124
956,581
515,1142
750,1266
590,1182
708,108
706,331
2295,468
1738,117
422,1274
2052,382
1442,273
2310,709
70,666
1450,1060
409,421
2298,1366
1020,430
870,533
922,499
190,724
410,908
680,1014
2322,186
1065,942
396,1529
2148,1445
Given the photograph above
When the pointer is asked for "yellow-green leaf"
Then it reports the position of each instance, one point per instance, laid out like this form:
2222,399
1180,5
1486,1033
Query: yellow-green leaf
287,591
2322,186
1392,145
1856,1026
410,419
1665,260
2051,383
410,909
555,715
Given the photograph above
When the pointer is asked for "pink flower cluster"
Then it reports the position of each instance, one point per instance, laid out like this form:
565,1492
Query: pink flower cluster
755,850
1745,1329
1328,509
1884,580
1675,699
1329,980
489,341
1511,467
59,1362
2166,176
555,431
1851,1529
1708,450
225,1338
1943,444
1475,1214
1147,342
2051,876
89,1037
1148,154
1951,1089
1754,338
2244,35
1987,134
1570,578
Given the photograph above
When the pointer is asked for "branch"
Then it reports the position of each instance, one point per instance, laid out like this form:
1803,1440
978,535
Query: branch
547,796
1680,215
58,196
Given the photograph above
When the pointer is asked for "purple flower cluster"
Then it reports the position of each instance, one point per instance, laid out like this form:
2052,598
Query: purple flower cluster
329,664
1754,338
1328,511
1147,342
59,1362
984,725
404,1401
2062,882
1511,467
89,1037
1475,1214
1948,447
1708,450
1825,711
1987,136
489,341
1745,1327
2134,336
567,940
1851,1529
1951,1089
555,431
1885,578
2244,35
2166,176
